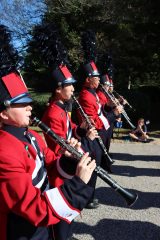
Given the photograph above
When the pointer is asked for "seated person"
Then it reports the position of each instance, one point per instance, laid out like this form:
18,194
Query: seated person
140,133
118,122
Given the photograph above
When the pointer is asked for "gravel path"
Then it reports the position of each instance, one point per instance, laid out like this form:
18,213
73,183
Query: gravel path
136,168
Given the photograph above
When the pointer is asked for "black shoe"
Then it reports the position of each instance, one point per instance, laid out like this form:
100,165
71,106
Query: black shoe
92,205
95,200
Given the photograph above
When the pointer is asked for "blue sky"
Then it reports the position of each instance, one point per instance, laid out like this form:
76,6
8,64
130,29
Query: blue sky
20,16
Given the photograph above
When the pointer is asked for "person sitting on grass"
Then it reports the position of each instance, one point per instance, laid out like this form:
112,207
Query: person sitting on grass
140,133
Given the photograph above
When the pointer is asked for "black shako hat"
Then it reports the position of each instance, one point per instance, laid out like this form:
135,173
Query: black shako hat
13,90
91,69
61,76
105,80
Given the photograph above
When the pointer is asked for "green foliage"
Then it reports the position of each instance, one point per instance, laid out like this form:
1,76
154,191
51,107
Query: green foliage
40,101
129,29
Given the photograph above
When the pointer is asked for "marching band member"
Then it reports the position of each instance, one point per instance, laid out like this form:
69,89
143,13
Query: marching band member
107,105
29,206
103,98
58,119
91,104
54,56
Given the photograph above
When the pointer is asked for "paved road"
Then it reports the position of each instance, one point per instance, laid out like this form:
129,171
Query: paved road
137,169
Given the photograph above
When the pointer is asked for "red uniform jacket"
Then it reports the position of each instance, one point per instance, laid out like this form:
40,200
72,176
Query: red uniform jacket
18,166
60,122
92,107
102,97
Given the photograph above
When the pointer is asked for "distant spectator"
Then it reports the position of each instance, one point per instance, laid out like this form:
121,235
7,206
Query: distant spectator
140,133
118,123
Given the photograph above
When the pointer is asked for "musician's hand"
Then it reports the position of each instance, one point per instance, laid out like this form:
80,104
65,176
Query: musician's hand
92,133
74,143
118,110
85,168
123,101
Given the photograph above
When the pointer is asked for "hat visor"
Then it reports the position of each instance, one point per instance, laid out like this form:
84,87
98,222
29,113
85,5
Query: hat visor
106,83
94,75
23,98
69,81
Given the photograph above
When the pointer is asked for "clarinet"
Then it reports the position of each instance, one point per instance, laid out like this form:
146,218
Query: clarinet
99,139
119,96
112,98
128,196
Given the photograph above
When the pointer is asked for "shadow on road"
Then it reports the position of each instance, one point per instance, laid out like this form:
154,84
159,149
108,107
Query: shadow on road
110,229
134,171
130,157
108,196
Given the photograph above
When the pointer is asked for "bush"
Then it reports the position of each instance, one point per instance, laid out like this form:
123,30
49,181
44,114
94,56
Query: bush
39,103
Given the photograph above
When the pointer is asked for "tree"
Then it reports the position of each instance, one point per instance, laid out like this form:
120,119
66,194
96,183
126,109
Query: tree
130,29
127,28
20,16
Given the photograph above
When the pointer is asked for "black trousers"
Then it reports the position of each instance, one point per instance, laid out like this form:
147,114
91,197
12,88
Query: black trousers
96,153
62,230
19,228
106,138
